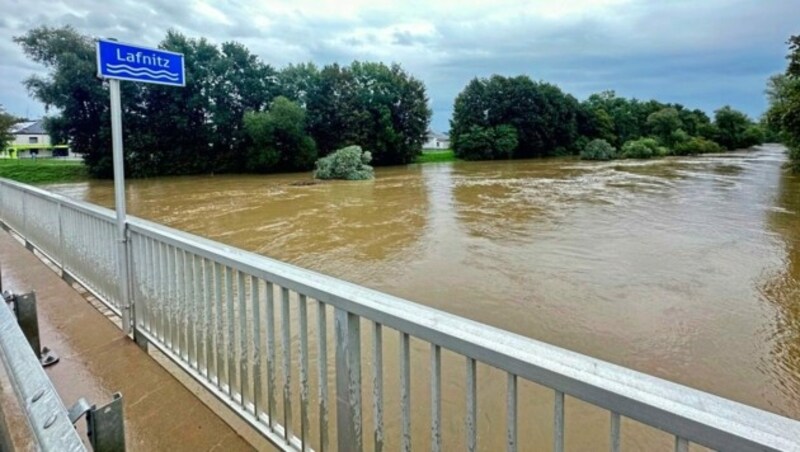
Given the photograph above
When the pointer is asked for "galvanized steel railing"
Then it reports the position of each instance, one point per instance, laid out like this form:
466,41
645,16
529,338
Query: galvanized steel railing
211,309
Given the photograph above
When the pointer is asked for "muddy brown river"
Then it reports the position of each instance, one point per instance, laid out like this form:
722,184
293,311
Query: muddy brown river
684,268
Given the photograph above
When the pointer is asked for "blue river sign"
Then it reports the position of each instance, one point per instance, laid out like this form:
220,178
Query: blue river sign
116,60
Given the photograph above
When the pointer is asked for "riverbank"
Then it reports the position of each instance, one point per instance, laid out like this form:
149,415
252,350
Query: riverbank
446,155
43,171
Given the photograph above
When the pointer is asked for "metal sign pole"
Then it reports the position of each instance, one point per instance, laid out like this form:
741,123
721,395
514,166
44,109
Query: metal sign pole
119,203
117,61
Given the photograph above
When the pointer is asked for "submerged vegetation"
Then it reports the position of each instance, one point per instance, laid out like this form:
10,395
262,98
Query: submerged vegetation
515,117
350,163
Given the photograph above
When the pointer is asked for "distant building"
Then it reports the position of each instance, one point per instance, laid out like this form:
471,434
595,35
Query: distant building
31,140
436,141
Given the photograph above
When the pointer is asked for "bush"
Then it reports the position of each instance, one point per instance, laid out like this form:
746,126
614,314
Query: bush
599,149
279,138
753,136
697,145
643,148
350,163
678,137
486,143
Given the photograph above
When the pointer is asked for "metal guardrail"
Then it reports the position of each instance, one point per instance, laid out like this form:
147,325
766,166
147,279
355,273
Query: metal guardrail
23,360
47,416
212,309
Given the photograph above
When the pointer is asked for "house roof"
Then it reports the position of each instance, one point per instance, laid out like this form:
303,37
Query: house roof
438,136
29,128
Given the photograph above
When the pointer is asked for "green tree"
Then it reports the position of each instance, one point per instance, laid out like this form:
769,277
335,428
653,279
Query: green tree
732,129
279,138
393,113
486,143
382,108
297,81
6,122
545,119
71,86
663,123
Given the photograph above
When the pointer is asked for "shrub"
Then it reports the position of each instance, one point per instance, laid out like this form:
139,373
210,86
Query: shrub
753,136
643,148
697,145
486,143
599,149
350,163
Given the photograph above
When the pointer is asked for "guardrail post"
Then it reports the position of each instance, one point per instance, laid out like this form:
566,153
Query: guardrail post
28,319
348,380
105,426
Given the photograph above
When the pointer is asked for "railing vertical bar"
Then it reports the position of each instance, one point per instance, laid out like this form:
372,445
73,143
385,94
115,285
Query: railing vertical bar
286,338
208,275
257,377
219,326
191,307
230,351
303,371
271,354
322,374
472,405
153,280
405,390
146,282
155,287
436,398
377,385
347,333
136,259
615,432
681,444
199,317
558,422
170,296
244,349
511,413
180,284
162,292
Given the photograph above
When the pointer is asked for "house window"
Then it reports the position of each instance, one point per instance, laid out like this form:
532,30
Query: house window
33,140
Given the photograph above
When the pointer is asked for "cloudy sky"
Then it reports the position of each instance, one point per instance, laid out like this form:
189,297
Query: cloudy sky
702,53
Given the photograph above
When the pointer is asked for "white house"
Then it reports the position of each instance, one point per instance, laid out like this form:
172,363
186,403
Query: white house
436,141
32,140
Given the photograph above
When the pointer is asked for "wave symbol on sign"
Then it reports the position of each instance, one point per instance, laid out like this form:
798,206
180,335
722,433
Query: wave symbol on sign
124,69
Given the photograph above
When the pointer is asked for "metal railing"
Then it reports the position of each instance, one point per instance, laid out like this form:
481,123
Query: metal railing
212,309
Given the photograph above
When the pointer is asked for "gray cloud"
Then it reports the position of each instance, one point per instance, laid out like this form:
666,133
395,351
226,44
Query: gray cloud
703,54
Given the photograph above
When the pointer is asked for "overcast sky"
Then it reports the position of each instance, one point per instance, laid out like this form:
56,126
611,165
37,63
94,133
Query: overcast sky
702,53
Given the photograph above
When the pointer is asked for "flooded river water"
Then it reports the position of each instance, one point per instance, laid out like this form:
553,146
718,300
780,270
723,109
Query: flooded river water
684,268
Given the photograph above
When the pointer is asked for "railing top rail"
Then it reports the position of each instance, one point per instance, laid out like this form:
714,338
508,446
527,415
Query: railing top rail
85,207
695,415
47,416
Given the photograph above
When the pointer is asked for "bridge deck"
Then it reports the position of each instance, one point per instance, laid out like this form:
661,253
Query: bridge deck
97,360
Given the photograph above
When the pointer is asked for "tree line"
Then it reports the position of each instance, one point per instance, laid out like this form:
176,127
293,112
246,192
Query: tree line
515,117
783,93
235,114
